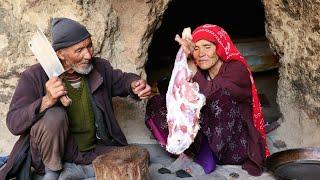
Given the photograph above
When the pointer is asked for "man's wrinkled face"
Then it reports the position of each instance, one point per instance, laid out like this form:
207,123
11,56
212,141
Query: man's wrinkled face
205,55
77,57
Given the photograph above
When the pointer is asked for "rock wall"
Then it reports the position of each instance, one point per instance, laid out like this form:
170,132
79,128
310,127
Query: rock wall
122,31
293,29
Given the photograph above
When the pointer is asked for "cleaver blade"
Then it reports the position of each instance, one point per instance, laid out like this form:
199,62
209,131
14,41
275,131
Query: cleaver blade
48,59
46,56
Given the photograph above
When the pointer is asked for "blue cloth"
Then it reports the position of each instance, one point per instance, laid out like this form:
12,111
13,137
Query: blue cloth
3,160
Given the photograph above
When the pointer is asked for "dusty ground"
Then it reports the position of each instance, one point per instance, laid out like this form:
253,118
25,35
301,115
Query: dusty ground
159,158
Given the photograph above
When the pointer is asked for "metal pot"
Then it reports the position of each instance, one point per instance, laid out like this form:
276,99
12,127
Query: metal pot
300,164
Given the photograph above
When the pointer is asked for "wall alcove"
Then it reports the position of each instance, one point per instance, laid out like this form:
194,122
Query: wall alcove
244,22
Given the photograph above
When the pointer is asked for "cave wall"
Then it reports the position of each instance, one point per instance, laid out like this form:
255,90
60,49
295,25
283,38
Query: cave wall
122,31
293,29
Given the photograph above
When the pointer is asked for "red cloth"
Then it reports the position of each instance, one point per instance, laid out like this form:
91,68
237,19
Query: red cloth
227,51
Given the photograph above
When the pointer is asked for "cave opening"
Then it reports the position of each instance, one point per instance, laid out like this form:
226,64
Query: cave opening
242,20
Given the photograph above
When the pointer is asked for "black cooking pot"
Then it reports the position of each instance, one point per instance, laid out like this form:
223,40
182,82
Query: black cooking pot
299,164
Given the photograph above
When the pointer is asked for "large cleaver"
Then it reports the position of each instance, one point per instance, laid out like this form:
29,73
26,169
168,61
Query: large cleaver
48,59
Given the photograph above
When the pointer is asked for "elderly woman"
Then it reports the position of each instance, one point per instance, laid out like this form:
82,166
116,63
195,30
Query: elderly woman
232,125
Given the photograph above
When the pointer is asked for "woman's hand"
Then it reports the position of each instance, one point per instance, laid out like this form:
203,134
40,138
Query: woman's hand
188,48
192,66
186,44
186,41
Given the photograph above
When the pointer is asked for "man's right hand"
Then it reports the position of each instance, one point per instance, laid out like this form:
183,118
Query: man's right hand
54,90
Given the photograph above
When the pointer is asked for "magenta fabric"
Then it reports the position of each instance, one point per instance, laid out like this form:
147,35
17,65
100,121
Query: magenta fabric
159,134
156,112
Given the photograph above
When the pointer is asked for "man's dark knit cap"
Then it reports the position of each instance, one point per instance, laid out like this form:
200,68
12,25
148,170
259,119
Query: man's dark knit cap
67,32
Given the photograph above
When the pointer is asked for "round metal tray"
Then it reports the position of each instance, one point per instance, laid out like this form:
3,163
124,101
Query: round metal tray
299,164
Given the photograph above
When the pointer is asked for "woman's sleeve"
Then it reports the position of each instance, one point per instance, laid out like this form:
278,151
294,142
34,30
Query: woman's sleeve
235,79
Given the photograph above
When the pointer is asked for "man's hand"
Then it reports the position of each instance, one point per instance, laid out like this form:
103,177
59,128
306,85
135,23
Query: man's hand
141,88
54,90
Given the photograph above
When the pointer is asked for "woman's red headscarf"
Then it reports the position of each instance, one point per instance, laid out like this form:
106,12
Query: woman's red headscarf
227,51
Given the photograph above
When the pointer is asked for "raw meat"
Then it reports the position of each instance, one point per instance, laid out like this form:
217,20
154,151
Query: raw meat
184,103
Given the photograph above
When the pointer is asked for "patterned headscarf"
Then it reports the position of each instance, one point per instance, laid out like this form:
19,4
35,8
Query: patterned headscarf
227,51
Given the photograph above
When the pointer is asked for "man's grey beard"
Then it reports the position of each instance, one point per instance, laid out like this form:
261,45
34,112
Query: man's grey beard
81,70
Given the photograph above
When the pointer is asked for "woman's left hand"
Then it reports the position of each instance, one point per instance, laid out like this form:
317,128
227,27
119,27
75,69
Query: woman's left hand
186,41
186,44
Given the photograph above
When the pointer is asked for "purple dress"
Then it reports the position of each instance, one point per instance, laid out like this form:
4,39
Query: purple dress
226,124
222,134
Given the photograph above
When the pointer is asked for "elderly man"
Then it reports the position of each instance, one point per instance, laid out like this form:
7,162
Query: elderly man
85,129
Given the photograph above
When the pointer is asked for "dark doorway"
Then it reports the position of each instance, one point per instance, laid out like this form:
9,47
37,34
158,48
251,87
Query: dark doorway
244,22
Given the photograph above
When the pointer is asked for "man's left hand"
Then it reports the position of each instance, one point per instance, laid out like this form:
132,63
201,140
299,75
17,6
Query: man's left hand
141,88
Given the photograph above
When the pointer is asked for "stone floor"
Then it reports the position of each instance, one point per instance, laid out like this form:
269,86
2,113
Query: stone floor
159,158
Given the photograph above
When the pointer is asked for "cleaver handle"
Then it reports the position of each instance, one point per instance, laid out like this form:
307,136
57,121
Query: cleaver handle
65,100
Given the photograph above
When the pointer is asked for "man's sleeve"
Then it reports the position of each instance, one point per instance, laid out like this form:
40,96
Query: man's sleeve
121,82
24,107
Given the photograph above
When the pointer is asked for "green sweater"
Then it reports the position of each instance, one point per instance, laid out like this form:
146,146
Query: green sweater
81,117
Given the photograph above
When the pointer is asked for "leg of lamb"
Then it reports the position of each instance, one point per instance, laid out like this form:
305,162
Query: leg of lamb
184,103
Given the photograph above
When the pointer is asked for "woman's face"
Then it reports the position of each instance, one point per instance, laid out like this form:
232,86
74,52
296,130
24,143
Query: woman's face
205,55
